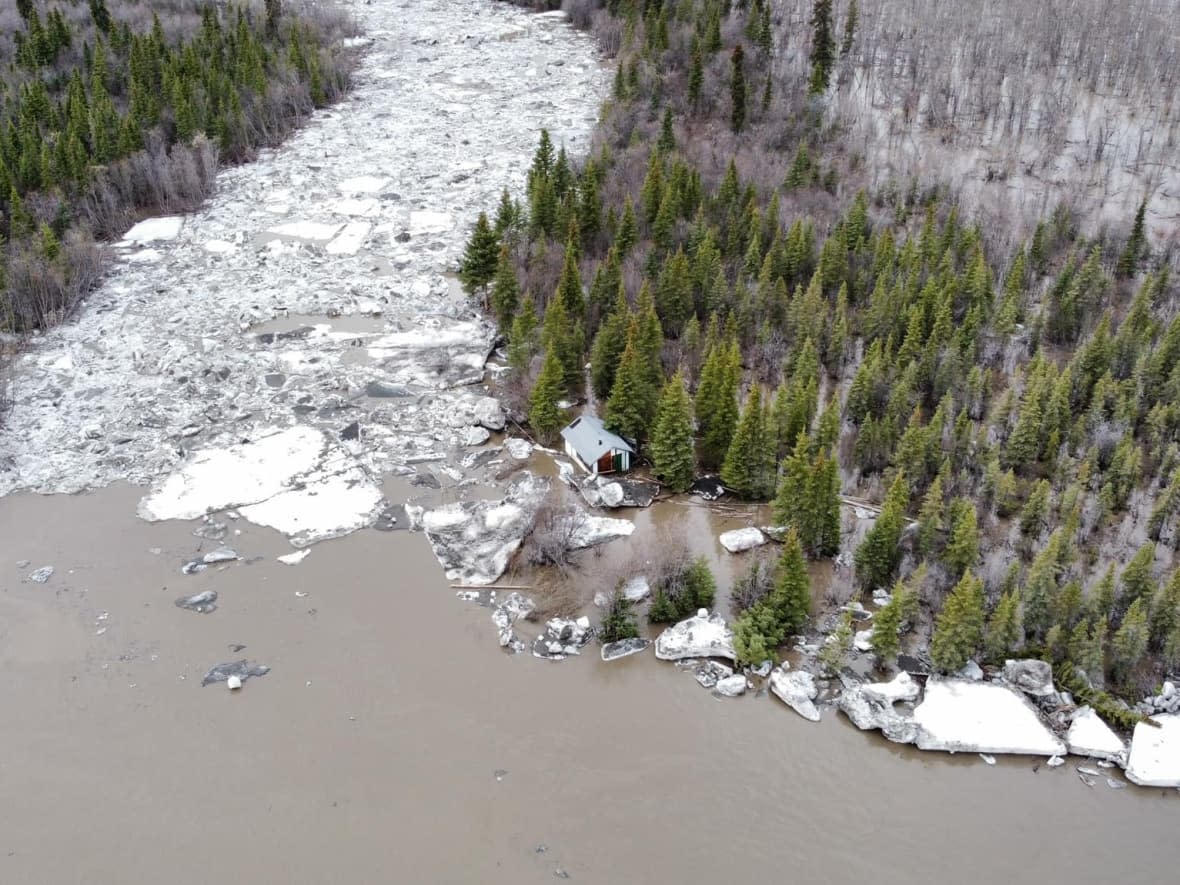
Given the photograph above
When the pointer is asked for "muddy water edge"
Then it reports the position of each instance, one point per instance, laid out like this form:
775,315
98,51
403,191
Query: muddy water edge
393,741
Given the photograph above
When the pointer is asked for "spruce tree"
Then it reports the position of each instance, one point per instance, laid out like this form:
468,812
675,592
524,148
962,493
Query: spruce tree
589,215
790,600
672,442
505,289
1040,590
716,403
878,555
667,139
835,650
608,347
1036,509
696,76
569,287
962,550
100,15
825,497
627,233
674,293
1128,262
1130,641
958,632
522,337
1136,582
619,622
930,524
560,332
823,47
754,636
744,469
507,215
1004,629
737,90
1086,651
800,173
481,256
886,637
850,21
631,406
1165,611
544,415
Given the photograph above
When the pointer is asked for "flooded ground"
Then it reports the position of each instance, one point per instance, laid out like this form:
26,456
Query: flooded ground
370,752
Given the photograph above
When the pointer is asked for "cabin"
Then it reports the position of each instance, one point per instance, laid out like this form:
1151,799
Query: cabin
595,448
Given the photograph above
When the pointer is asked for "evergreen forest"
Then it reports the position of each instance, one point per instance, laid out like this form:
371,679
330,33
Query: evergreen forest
750,307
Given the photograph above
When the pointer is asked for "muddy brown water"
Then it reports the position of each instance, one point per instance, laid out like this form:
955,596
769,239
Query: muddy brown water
370,752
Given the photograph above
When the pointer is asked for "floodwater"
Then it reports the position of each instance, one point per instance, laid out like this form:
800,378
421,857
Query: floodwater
370,752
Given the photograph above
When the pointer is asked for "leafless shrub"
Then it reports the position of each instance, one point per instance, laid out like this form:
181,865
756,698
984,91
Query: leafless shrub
8,346
755,585
550,539
43,290
556,595
609,33
666,561
1017,110
580,12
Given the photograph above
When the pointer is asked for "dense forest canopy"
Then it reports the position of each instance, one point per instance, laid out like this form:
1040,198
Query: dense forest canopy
749,305
111,109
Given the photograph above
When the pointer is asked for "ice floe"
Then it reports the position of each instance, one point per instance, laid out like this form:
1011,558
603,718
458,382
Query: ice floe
797,689
701,636
871,706
295,480
1090,736
363,184
474,540
979,717
740,540
623,648
350,239
306,230
1155,752
152,230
